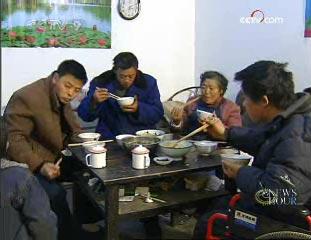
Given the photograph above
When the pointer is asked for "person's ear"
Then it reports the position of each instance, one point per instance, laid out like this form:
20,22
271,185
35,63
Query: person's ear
265,100
55,77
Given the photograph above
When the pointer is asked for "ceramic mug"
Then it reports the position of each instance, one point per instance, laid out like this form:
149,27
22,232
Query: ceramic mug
140,161
96,160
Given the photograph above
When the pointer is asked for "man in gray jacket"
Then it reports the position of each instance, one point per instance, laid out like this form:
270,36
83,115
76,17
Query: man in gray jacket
281,148
25,207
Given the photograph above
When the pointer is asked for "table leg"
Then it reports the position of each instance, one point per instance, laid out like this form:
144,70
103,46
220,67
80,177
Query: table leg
112,212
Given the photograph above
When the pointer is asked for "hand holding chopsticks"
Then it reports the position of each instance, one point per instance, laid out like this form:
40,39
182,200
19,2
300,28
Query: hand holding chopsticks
105,93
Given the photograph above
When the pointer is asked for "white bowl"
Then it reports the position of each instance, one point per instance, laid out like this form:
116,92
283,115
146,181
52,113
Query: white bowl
120,137
89,136
240,159
125,101
181,149
150,132
163,160
203,114
88,146
205,147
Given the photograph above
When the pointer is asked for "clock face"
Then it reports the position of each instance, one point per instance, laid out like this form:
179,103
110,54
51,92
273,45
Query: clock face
129,9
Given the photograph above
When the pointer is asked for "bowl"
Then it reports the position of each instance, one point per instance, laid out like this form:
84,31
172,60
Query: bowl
163,160
205,147
167,136
150,132
239,159
120,137
149,142
178,151
203,114
85,137
125,101
88,146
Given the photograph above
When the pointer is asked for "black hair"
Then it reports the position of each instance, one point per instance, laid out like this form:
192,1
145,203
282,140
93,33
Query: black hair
307,90
73,68
125,60
3,137
268,78
221,79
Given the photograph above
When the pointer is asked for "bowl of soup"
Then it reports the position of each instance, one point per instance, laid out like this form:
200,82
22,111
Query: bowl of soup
171,149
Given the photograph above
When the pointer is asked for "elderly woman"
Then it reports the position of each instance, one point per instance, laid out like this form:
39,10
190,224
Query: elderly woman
214,86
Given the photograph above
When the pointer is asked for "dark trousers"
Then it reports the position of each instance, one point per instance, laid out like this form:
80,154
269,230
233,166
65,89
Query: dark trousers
59,205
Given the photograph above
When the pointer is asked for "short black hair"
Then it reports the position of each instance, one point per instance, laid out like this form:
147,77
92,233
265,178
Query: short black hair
221,79
3,137
268,78
73,68
125,60
307,90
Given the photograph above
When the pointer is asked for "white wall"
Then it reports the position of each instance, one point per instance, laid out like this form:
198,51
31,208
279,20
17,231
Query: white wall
176,40
226,45
162,37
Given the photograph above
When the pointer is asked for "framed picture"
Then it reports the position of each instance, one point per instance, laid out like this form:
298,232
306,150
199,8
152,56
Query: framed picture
56,23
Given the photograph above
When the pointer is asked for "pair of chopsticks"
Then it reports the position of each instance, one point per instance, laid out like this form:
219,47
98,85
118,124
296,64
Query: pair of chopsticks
152,198
113,96
80,144
191,134
191,101
110,94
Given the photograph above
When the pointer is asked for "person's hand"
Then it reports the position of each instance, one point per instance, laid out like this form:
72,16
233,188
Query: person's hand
131,108
50,170
230,169
216,128
177,114
100,95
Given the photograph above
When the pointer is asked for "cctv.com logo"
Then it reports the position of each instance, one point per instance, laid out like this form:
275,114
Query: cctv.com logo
258,17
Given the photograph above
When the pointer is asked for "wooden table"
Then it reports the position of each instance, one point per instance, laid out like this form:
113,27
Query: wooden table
119,172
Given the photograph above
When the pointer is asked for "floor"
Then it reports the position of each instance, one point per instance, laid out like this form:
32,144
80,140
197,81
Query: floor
135,230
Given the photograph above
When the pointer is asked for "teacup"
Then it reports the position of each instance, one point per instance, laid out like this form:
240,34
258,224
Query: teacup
140,157
97,157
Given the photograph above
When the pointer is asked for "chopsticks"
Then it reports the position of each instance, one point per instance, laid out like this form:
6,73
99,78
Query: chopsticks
191,134
80,144
152,198
191,101
110,94
113,96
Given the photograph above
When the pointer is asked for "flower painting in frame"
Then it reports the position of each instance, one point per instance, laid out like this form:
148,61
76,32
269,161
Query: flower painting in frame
56,23
308,19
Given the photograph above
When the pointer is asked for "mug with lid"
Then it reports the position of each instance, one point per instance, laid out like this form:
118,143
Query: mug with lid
140,157
97,157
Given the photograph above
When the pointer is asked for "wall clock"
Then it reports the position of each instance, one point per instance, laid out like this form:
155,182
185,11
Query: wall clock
129,9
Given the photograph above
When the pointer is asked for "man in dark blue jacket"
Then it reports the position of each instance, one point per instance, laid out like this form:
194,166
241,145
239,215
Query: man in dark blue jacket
123,80
280,176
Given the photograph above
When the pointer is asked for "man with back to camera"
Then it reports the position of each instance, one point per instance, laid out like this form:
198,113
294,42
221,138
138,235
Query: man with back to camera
40,124
281,146
124,79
